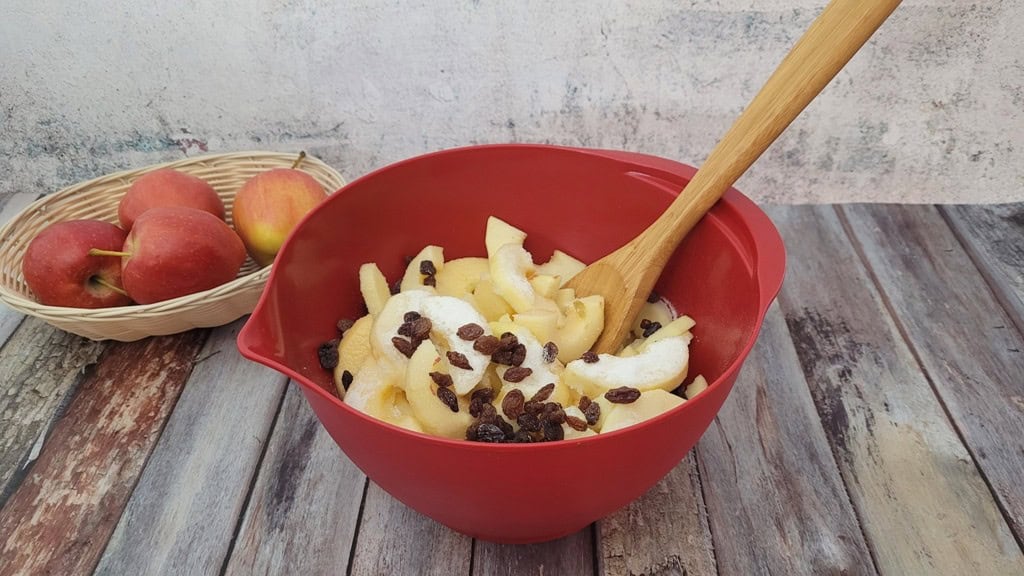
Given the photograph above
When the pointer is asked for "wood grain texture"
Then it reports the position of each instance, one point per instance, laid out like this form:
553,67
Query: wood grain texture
39,370
963,338
572,555
303,511
183,513
396,540
59,519
9,318
900,457
775,499
664,532
994,237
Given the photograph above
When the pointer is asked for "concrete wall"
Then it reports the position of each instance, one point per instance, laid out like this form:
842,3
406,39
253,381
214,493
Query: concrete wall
932,110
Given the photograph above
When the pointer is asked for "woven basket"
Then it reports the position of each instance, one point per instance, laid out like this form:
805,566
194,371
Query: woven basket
98,199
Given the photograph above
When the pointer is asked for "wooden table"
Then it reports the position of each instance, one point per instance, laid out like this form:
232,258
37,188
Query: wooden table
878,427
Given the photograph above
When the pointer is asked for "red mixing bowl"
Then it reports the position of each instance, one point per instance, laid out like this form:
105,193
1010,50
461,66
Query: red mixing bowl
584,202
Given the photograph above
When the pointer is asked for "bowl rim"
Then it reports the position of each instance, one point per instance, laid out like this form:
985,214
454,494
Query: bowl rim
769,271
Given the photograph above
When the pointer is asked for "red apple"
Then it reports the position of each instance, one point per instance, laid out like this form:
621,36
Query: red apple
268,207
167,187
172,251
60,271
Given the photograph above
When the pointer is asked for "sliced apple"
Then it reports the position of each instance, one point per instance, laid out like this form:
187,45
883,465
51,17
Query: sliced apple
584,320
661,365
564,298
435,416
541,372
353,349
447,314
488,302
653,312
679,327
511,267
568,431
648,405
545,285
543,324
500,233
374,287
698,385
386,324
413,278
460,276
561,265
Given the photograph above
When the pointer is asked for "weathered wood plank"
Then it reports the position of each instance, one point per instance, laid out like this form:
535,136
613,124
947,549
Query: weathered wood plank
572,555
963,338
776,502
182,515
664,532
39,370
898,452
59,519
303,511
396,540
9,318
994,237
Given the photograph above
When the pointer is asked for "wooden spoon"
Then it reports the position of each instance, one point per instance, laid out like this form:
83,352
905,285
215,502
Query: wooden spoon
625,277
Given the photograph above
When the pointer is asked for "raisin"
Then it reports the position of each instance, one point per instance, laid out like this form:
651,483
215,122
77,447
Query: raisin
489,433
396,287
405,329
522,436
508,341
549,353
553,432
584,402
430,280
589,357
346,379
513,403
529,422
577,424
404,346
411,316
421,328
344,325
485,395
448,397
518,355
652,327
516,374
622,395
407,259
505,428
471,431
458,359
544,393
427,268
486,345
503,357
488,414
593,413
653,297
441,379
328,354
553,412
475,407
470,331
533,407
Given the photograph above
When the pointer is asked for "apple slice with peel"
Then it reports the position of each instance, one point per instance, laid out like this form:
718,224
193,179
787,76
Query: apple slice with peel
500,233
353,349
374,392
414,277
374,288
511,268
434,415
460,276
661,365
647,406
561,265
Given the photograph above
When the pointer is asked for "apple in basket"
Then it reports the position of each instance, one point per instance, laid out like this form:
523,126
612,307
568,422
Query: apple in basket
167,187
269,205
60,271
173,251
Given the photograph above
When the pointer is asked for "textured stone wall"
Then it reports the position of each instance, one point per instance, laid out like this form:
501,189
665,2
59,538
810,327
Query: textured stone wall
932,110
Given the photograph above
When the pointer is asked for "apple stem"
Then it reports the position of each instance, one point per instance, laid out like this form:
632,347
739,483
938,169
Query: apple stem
302,156
106,284
101,252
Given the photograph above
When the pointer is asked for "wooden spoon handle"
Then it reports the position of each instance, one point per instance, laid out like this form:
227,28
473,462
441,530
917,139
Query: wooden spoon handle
834,37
